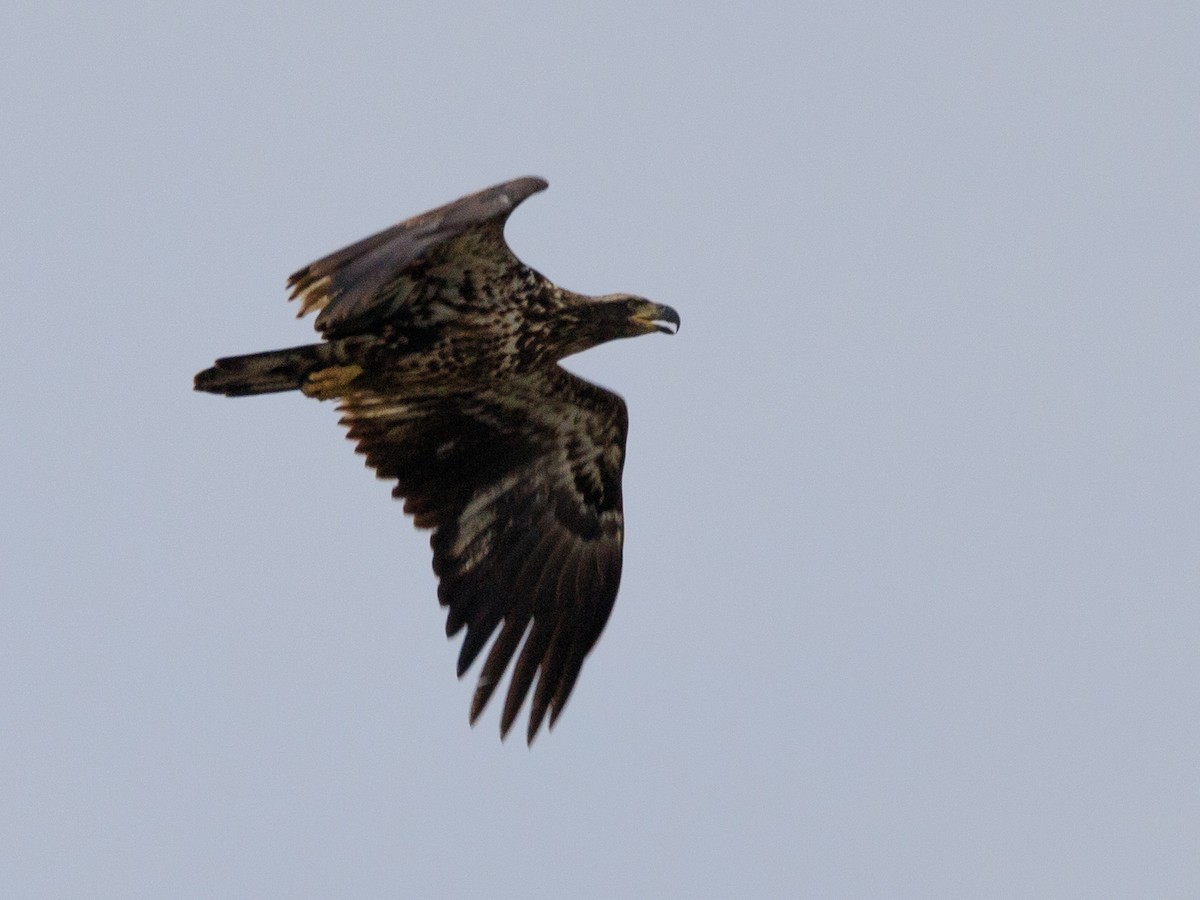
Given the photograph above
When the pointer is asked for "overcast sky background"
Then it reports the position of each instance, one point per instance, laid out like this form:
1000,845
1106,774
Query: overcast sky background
913,499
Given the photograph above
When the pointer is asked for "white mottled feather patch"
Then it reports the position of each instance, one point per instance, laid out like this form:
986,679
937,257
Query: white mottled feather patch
479,514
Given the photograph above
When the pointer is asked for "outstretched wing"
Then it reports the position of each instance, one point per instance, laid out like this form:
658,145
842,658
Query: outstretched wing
521,482
370,281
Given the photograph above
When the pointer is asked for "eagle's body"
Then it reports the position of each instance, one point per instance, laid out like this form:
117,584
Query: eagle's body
443,349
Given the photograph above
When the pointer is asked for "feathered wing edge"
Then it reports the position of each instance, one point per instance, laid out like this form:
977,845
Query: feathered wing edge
345,285
527,519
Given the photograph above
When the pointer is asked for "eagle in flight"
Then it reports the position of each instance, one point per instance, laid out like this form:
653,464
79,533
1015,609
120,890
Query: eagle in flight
442,349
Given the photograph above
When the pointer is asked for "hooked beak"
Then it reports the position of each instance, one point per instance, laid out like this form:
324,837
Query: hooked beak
657,317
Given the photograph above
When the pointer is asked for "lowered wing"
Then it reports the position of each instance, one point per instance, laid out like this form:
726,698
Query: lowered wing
523,490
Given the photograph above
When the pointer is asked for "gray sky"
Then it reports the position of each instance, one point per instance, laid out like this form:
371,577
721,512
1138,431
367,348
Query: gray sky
910,596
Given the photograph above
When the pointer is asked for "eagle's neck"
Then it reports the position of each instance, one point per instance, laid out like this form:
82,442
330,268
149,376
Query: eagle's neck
572,323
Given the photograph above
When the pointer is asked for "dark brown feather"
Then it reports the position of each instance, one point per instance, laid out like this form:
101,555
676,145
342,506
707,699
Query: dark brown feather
496,474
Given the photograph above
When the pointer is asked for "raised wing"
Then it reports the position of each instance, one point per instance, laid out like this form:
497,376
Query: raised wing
369,281
521,482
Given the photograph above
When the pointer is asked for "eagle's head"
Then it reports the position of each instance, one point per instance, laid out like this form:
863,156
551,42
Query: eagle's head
641,316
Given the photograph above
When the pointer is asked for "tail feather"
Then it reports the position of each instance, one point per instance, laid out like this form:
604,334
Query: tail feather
265,373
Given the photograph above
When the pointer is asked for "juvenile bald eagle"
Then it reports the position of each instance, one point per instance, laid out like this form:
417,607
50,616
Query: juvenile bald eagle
442,348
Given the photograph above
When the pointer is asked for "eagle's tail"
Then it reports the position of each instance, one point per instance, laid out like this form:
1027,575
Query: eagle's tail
266,373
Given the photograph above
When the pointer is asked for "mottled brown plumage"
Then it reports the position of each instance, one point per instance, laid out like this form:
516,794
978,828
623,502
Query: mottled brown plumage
443,349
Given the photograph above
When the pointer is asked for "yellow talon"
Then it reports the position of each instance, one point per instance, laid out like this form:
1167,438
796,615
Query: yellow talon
330,383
